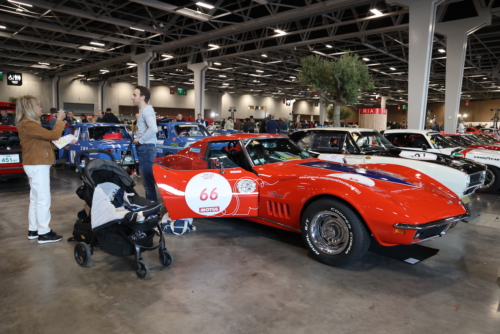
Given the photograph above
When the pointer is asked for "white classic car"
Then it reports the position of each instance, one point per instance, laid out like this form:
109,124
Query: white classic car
367,146
429,141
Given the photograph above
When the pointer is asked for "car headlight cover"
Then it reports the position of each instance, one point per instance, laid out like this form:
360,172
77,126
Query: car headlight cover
246,186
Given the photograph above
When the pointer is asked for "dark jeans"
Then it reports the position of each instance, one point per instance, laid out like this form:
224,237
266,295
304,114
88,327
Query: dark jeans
147,155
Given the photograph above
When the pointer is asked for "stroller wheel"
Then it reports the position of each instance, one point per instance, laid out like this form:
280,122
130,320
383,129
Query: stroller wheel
166,258
82,254
142,270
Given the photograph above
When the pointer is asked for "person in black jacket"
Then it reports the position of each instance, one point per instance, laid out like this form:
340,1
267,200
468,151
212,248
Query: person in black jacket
109,117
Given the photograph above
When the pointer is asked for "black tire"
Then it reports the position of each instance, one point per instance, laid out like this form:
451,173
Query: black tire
142,270
334,232
83,253
166,258
492,182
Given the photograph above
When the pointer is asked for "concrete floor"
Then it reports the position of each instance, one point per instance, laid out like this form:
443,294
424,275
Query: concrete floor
233,276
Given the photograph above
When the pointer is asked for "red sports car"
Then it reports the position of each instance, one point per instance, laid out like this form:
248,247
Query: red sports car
268,179
10,153
472,141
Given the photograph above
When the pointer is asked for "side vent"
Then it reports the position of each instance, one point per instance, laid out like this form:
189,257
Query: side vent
277,209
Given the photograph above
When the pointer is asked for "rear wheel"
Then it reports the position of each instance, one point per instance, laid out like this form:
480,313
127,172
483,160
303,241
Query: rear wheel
82,254
334,232
492,182
166,258
142,270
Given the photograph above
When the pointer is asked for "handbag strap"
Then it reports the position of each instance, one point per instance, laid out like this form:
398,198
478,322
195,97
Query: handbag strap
184,229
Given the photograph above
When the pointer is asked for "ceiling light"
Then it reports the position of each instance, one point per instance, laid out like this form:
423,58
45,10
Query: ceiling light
131,64
191,79
328,46
264,55
136,29
222,76
292,77
442,50
43,63
366,59
213,46
225,84
206,5
376,12
104,71
280,32
21,3
260,71
81,75
485,78
96,43
167,56
392,68
218,64
151,75
3,27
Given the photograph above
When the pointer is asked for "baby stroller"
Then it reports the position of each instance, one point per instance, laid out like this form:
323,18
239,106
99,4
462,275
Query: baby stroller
128,234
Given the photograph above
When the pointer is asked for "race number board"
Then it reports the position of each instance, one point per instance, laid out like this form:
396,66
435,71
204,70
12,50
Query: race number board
208,194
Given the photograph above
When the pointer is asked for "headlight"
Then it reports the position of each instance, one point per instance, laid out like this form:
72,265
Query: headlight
246,186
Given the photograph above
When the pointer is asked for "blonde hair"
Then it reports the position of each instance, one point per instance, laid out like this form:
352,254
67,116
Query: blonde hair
26,107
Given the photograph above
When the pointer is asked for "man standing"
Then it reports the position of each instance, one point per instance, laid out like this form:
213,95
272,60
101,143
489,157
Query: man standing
251,125
179,118
201,121
145,140
99,117
70,119
461,127
6,119
272,126
109,117
237,124
229,124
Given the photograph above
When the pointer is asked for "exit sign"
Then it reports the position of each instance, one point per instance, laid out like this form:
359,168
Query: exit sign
405,107
181,91
1,76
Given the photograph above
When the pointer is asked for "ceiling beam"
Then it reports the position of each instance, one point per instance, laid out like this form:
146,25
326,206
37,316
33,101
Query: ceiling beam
174,9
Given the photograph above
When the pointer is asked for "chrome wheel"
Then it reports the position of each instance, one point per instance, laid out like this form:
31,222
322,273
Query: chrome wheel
329,232
490,179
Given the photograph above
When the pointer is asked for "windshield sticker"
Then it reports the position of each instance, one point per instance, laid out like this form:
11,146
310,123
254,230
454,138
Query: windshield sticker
359,171
195,149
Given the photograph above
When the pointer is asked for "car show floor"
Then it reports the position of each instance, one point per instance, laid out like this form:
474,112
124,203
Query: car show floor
234,276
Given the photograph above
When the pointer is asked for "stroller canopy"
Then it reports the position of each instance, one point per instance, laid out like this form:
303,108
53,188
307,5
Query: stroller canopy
100,170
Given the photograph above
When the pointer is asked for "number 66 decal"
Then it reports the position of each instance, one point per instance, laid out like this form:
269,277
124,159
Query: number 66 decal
208,194
213,194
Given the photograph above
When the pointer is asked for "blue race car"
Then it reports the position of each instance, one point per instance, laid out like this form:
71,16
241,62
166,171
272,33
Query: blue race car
113,138
174,136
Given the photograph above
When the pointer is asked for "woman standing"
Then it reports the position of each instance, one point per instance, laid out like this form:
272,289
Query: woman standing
38,156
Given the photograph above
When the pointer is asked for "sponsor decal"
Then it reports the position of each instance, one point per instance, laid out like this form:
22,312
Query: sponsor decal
210,209
359,171
195,149
486,158
373,111
208,194
277,195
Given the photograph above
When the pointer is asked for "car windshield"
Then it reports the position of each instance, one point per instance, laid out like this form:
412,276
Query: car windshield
267,151
370,141
487,139
107,132
191,130
9,140
439,141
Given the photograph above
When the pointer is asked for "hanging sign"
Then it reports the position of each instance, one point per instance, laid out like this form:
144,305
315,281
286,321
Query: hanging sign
373,111
14,79
316,104
181,91
172,91
405,107
284,101
399,107
467,103
288,102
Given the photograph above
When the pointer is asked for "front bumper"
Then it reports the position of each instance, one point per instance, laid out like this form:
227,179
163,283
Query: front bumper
436,229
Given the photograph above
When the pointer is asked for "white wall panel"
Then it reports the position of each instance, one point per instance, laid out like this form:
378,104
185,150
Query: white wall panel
32,85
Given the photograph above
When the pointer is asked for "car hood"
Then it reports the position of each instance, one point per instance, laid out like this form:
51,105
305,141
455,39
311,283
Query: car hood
416,195
487,147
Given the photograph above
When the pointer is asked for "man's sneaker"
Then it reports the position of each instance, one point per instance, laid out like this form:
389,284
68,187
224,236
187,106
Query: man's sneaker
32,235
49,237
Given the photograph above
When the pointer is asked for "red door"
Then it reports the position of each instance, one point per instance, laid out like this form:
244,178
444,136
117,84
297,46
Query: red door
208,193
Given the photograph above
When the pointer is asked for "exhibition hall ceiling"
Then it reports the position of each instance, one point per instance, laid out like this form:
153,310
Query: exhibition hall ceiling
254,46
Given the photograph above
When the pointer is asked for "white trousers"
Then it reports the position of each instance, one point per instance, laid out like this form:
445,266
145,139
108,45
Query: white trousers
39,212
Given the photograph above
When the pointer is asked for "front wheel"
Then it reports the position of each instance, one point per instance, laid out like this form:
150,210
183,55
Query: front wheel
492,182
334,232
82,253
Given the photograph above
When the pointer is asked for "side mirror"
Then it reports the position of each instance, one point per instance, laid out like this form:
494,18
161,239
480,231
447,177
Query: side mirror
424,147
217,163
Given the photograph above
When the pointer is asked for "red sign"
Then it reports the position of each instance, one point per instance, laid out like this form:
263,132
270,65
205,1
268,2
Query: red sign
399,107
284,101
312,103
172,91
379,100
467,103
373,111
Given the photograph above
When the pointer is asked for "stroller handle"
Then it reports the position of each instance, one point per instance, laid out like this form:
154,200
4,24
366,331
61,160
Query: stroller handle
92,150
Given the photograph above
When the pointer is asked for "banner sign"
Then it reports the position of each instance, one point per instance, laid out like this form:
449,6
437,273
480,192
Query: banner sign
372,111
14,79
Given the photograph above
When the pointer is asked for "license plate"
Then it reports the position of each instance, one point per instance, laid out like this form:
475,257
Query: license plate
9,158
466,199
127,158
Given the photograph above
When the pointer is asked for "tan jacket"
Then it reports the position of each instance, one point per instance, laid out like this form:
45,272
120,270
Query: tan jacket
36,142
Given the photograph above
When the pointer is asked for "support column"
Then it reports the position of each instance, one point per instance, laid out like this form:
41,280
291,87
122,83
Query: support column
143,60
100,96
199,70
55,92
456,33
421,35
322,111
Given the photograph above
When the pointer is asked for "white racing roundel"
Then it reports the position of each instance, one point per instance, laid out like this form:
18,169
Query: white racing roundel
208,194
